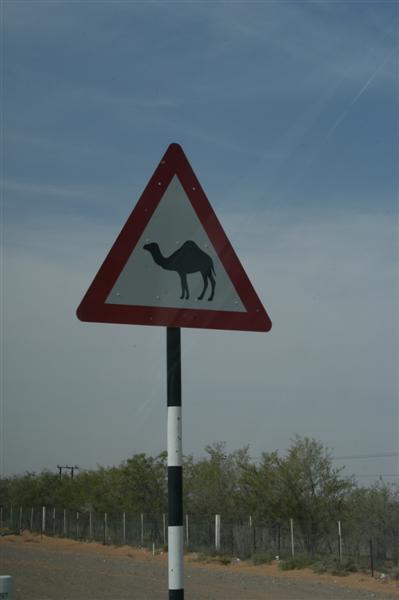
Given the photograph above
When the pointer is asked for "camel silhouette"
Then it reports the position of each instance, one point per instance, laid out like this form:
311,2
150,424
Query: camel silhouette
189,258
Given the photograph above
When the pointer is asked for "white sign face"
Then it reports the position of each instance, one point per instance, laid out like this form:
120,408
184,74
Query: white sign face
179,268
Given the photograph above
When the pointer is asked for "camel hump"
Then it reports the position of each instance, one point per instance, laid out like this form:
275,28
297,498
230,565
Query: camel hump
190,246
192,250
189,258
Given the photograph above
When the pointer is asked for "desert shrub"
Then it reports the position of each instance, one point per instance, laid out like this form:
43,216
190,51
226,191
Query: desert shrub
202,557
339,572
262,558
334,567
350,566
222,559
319,567
296,562
344,568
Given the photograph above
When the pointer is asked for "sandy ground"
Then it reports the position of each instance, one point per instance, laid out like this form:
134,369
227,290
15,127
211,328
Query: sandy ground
60,569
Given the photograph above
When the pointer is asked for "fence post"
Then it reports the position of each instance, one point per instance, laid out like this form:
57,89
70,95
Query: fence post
65,523
77,525
124,527
292,537
187,534
279,539
105,528
90,526
31,518
339,541
43,519
1,516
217,533
164,528
11,516
142,529
252,535
371,558
20,518
54,521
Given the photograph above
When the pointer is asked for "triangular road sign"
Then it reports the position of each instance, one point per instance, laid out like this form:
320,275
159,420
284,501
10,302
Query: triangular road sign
172,264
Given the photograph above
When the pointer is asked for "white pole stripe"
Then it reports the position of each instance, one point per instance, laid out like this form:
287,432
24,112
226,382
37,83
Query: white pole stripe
174,436
175,551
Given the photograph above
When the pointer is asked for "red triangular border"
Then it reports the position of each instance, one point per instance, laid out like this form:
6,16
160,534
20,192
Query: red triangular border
93,307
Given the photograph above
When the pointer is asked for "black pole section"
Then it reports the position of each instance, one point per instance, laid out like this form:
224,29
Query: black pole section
173,359
175,469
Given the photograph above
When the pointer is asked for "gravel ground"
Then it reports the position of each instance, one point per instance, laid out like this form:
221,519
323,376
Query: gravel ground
50,571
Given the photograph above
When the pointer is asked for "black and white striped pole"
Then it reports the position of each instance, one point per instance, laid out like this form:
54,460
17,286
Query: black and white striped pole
175,465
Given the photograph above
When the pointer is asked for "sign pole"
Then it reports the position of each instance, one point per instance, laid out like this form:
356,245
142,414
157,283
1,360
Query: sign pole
175,462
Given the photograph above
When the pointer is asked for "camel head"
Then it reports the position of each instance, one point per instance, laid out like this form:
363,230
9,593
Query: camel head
155,252
151,247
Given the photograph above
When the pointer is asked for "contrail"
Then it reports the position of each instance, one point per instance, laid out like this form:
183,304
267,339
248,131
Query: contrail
371,78
359,94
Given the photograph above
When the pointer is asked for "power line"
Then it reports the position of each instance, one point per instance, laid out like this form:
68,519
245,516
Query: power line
356,456
353,456
378,475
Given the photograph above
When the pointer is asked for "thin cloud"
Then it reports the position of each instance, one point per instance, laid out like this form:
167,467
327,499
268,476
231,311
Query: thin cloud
63,191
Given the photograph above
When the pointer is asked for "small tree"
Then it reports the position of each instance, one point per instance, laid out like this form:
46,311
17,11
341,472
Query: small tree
212,484
374,513
141,484
312,490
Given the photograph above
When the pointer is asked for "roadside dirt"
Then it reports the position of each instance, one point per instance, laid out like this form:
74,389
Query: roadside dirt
60,569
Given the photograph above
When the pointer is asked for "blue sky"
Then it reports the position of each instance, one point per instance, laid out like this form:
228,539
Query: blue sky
288,112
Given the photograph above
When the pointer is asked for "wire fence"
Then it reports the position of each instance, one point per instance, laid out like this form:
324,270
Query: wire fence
209,535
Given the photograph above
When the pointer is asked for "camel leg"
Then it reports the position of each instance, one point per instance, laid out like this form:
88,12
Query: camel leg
184,286
205,278
213,284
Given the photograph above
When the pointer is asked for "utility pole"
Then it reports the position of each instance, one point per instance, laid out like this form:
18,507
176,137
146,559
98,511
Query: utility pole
60,469
70,469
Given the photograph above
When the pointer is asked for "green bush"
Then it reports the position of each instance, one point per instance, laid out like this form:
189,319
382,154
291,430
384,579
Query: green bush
319,567
350,566
202,557
262,558
339,573
296,562
334,567
222,559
